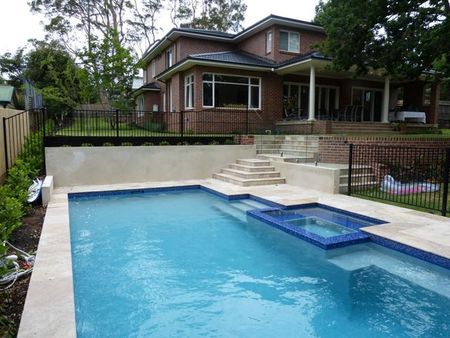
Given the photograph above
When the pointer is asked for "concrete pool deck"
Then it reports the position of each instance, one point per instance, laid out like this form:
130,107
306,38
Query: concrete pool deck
49,308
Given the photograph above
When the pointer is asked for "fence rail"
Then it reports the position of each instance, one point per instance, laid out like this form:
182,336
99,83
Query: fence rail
143,123
416,177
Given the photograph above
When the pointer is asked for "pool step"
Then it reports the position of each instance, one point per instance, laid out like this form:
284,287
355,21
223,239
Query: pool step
250,172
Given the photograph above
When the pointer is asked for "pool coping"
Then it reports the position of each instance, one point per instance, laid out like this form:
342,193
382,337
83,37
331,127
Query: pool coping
53,315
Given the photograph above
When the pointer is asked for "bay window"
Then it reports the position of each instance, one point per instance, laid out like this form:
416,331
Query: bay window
230,91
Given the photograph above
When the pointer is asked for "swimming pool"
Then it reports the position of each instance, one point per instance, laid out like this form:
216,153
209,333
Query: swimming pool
189,264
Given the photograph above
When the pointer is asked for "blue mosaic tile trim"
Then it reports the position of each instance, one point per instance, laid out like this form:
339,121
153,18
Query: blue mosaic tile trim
322,242
409,250
94,194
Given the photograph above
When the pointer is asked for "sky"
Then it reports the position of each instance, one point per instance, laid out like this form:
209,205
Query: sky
18,24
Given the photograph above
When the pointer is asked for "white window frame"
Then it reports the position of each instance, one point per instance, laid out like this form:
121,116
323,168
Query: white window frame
189,97
249,87
289,50
169,57
269,42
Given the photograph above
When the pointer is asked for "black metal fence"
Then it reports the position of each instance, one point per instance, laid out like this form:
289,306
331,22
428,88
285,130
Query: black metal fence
121,126
416,177
23,134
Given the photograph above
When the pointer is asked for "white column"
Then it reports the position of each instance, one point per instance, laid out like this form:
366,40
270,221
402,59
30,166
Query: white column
312,93
385,112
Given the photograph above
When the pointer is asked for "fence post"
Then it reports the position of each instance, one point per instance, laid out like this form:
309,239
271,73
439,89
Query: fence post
117,123
44,119
181,124
446,173
5,143
350,160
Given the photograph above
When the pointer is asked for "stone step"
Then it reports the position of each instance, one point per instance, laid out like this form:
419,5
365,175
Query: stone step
287,158
357,178
248,182
250,175
343,187
287,151
254,162
248,168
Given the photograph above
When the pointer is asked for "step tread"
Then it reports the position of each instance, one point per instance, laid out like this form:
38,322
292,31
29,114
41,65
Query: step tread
265,169
244,180
269,174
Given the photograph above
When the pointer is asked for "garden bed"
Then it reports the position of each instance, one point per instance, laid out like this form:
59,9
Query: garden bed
13,299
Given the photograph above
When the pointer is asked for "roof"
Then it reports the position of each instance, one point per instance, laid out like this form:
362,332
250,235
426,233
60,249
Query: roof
149,87
307,56
234,57
6,93
270,20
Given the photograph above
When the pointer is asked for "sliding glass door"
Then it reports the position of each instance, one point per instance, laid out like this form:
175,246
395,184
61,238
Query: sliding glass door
371,101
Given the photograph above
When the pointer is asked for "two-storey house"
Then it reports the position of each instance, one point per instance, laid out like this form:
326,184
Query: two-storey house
272,69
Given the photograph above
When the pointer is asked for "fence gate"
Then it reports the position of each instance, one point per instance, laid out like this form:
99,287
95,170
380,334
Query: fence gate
22,134
410,176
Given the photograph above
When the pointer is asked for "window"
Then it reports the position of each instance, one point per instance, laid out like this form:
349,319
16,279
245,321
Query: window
289,41
153,67
427,94
189,91
268,42
231,91
169,58
169,97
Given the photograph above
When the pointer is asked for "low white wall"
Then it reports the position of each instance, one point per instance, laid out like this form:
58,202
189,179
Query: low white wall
308,176
71,166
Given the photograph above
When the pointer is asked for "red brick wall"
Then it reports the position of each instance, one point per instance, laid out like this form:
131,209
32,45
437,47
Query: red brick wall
335,149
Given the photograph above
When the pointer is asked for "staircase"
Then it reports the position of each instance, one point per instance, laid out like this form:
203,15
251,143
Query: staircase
342,127
362,176
289,148
250,172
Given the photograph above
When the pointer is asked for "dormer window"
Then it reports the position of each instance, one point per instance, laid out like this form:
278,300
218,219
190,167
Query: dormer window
268,42
289,42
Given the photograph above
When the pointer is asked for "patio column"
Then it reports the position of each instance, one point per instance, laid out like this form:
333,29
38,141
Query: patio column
385,112
312,93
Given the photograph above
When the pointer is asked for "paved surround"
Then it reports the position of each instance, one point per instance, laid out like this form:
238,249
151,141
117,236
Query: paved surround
49,308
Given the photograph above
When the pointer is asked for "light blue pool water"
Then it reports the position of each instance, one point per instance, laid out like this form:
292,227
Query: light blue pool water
320,226
189,264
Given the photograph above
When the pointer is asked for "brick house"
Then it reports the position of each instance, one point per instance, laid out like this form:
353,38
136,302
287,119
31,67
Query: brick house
269,68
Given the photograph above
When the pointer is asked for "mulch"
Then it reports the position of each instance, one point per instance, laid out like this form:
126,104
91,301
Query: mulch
13,299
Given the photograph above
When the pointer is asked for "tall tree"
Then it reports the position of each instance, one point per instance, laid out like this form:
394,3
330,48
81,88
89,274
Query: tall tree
402,38
221,15
13,66
97,24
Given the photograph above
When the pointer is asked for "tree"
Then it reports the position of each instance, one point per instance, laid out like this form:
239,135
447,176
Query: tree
13,66
54,72
104,31
402,38
221,15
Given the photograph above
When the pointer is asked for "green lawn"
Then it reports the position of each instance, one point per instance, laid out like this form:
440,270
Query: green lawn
427,202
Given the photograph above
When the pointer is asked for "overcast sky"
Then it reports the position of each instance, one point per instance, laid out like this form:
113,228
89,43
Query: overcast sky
17,24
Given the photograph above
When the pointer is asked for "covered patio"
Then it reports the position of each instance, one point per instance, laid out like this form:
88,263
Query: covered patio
346,97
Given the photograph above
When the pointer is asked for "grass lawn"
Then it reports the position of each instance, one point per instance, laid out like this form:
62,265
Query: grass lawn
427,202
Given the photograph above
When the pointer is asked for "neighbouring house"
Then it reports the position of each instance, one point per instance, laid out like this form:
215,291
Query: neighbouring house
33,98
272,69
8,97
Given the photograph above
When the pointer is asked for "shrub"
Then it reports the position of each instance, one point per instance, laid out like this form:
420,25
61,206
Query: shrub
87,145
108,144
198,143
213,143
147,144
229,141
126,144
164,143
